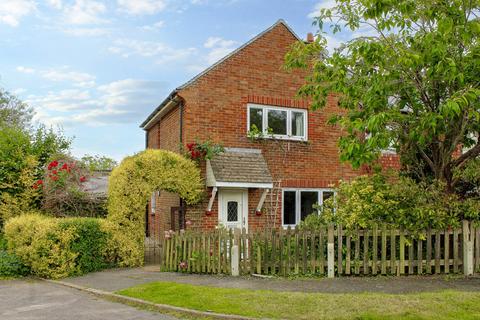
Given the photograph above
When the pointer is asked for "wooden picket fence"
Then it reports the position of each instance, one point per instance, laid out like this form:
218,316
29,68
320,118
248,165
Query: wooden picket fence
329,251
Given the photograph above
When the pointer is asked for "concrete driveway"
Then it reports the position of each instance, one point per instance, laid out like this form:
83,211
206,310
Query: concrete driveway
32,299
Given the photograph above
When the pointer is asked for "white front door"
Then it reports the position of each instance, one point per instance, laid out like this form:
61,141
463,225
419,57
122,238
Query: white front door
233,206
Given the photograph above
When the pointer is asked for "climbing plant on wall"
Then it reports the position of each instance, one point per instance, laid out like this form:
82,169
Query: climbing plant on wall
132,183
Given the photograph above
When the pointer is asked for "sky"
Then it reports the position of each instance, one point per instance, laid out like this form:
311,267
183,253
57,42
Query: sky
97,68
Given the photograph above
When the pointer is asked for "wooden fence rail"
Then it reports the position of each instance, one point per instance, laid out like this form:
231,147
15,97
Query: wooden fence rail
329,251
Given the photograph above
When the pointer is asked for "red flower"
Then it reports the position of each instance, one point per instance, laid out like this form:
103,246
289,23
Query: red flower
53,164
35,186
64,167
190,146
54,172
83,179
54,178
40,182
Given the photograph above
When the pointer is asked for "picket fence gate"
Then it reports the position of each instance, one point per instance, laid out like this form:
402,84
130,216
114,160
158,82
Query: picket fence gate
325,252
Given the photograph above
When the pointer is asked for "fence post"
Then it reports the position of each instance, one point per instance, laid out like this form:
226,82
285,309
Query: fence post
235,259
331,252
467,250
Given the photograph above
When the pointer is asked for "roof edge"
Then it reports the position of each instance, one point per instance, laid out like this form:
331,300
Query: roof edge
234,52
171,96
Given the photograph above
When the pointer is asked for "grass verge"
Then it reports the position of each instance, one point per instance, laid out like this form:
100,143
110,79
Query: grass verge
297,305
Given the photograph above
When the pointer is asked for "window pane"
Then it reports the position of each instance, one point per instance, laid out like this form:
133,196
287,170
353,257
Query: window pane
298,127
256,118
307,200
327,195
277,121
289,207
232,211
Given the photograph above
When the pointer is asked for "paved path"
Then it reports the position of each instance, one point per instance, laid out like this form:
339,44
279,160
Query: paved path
116,279
38,300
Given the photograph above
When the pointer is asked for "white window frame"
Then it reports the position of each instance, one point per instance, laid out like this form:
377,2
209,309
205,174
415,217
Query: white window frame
264,128
298,199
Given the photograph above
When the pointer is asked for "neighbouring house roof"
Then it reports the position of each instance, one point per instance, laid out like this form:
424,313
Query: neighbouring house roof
239,167
172,95
97,184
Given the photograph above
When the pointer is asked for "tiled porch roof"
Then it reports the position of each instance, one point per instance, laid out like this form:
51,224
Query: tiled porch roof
239,167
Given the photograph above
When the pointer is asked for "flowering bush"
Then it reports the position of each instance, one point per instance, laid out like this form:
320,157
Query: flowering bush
202,150
63,188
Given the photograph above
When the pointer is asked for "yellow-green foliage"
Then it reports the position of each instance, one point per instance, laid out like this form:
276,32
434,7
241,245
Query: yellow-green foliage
22,202
131,185
57,248
41,244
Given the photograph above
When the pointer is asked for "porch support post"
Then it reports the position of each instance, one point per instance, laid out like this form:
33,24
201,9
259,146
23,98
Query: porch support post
210,202
262,200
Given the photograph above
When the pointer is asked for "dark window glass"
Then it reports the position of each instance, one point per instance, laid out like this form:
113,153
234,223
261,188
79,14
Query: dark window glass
232,211
289,207
298,124
256,118
327,195
307,200
277,121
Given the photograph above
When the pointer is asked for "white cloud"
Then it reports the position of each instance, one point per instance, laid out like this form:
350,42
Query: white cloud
84,12
219,48
140,7
117,102
57,4
324,4
11,11
162,52
26,70
86,32
155,26
64,74
64,100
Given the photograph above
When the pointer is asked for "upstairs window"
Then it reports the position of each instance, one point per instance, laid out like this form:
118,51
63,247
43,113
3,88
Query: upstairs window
277,122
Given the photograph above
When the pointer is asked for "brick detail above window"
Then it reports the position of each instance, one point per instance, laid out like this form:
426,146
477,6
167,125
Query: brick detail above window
276,101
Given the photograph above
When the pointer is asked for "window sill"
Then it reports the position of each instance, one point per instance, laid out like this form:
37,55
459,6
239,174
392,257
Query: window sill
283,138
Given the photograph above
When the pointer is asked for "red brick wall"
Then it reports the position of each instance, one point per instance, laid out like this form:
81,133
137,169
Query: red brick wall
216,108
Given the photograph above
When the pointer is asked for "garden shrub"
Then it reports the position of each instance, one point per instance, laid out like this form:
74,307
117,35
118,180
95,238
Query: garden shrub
130,187
397,201
10,265
57,248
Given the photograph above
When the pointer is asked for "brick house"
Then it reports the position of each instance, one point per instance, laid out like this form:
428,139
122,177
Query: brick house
254,184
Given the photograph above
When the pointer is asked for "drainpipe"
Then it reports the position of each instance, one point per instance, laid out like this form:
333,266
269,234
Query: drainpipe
181,122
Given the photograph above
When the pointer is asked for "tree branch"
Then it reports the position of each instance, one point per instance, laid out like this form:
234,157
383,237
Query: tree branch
472,153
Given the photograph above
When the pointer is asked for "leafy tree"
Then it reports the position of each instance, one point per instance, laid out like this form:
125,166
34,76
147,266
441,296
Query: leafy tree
98,163
14,112
412,83
24,152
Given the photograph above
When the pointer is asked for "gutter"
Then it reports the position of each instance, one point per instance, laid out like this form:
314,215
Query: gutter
171,97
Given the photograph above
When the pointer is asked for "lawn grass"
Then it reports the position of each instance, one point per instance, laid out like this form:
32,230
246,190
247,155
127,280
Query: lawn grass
447,304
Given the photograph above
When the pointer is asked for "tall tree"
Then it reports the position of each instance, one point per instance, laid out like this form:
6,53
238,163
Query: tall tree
411,82
13,111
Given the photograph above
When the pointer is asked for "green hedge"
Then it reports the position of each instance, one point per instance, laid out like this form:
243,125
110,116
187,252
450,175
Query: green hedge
57,248
10,264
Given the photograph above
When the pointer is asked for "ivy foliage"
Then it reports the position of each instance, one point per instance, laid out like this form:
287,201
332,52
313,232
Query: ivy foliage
409,80
131,185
